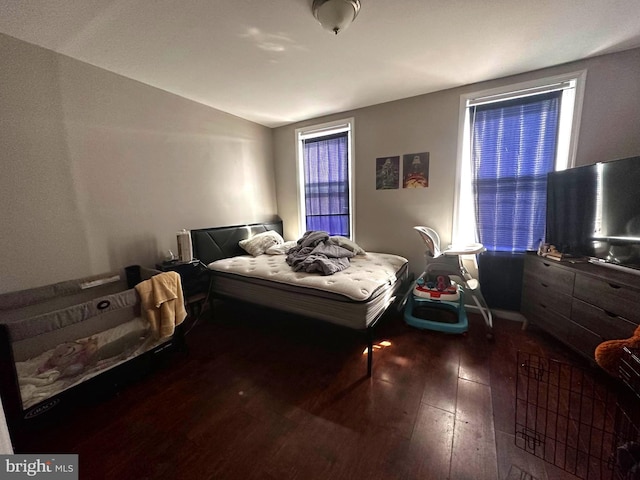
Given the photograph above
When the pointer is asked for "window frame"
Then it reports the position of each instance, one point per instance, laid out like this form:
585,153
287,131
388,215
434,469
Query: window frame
567,141
322,130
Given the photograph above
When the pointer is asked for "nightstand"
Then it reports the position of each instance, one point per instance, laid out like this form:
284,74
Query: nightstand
195,282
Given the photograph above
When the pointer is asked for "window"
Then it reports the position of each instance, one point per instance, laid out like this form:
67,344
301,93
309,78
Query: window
513,147
511,140
324,174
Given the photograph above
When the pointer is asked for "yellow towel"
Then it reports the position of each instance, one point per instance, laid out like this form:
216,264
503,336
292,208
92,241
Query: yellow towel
162,303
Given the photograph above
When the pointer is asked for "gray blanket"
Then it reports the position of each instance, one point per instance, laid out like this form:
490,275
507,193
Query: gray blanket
313,253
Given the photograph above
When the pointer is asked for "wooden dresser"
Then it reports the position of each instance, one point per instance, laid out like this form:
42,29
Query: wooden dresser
580,304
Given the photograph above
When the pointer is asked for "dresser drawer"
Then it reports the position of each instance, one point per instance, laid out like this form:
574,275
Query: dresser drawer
615,299
547,319
547,296
601,322
544,272
583,340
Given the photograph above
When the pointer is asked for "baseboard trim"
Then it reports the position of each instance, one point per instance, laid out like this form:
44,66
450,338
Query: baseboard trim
504,314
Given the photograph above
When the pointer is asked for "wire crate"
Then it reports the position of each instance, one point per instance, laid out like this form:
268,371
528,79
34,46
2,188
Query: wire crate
575,421
629,370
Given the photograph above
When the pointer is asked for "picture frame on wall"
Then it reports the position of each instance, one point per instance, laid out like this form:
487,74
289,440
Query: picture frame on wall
415,170
388,173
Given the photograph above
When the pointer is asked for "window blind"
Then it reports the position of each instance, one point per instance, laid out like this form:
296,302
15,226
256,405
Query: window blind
326,183
513,147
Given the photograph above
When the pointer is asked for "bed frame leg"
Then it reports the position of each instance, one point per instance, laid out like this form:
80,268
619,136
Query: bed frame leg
210,296
369,351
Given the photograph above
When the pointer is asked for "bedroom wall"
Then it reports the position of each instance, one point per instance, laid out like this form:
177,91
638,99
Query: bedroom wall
384,219
99,171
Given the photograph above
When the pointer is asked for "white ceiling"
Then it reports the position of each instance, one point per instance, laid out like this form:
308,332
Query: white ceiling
269,61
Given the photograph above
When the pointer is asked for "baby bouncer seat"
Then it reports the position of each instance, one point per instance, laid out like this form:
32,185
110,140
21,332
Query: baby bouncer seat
442,287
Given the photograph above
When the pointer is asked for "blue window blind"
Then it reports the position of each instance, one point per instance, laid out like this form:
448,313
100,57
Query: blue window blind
513,148
326,183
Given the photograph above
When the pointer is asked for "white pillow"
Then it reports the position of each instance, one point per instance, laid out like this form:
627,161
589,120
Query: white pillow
281,248
347,243
259,243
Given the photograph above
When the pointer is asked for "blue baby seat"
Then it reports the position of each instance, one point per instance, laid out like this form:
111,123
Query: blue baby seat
443,315
436,299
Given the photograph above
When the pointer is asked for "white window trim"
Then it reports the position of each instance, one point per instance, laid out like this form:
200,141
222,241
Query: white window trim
539,85
319,130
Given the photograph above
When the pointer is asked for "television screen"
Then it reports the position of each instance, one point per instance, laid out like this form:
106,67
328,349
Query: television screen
594,211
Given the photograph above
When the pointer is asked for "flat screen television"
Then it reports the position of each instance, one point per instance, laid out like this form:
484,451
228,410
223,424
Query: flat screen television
594,211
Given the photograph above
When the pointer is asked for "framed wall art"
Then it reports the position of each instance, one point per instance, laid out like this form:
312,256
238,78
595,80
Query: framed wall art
415,170
387,173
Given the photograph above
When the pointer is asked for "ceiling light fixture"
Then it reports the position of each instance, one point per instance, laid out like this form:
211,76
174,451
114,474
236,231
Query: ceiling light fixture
335,15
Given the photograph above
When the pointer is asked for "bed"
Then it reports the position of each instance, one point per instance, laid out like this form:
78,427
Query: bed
355,298
64,342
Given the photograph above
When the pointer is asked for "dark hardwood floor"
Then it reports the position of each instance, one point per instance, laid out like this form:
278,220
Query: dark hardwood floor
261,395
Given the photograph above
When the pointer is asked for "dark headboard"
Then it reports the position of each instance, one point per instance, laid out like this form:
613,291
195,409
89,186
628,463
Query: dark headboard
211,244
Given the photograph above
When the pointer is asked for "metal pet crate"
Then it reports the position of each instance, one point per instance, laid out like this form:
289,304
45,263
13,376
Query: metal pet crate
584,425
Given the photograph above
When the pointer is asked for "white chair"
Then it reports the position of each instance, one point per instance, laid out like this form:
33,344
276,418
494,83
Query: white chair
449,262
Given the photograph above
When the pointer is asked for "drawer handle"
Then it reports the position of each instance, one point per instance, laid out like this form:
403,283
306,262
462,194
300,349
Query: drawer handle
610,314
544,285
612,285
546,264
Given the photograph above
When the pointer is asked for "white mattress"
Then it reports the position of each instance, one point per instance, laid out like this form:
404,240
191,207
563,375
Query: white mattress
354,297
